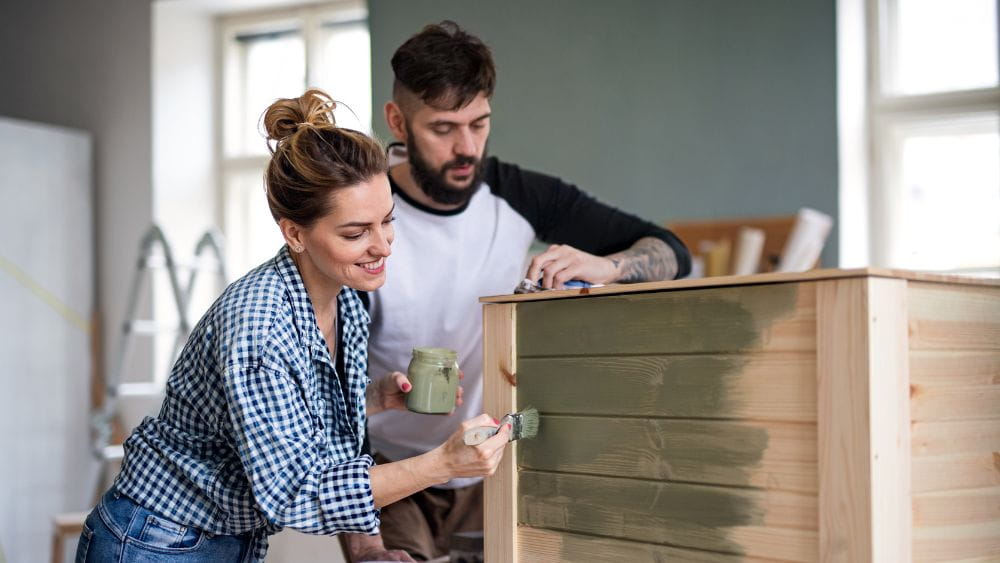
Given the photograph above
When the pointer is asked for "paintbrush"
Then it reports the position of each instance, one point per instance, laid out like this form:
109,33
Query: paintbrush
523,424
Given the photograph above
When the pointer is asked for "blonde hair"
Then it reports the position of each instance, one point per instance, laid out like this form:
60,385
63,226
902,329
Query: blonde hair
311,157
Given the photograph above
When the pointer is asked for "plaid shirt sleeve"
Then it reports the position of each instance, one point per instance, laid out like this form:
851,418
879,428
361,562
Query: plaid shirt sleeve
293,478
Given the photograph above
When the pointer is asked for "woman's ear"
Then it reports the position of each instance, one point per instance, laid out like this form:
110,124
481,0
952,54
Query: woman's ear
293,234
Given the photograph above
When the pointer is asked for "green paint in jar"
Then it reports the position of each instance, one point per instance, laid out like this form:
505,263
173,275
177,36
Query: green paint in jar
433,372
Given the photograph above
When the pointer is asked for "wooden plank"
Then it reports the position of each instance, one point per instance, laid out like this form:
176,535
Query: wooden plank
948,508
960,437
778,456
728,281
721,519
930,403
953,472
761,386
499,398
954,367
954,318
545,546
943,543
862,359
777,317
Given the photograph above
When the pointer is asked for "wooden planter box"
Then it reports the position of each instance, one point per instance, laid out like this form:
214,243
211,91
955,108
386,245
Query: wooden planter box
832,415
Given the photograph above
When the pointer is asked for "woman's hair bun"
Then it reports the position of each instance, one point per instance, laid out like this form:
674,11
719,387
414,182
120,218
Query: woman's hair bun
286,116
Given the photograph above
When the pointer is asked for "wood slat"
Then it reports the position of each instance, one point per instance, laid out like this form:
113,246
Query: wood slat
779,456
691,516
944,543
963,368
500,489
959,437
778,317
763,386
953,472
949,508
932,403
546,546
954,317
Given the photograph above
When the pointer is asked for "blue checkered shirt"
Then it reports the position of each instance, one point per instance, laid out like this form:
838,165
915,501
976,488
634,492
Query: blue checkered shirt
256,432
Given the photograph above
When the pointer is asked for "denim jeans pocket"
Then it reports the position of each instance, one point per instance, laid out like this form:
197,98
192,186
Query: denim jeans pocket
160,532
83,546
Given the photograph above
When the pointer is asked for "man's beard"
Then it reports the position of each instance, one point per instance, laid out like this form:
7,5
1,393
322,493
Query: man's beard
434,183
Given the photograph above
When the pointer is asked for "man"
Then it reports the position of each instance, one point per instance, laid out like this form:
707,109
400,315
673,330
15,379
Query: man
464,225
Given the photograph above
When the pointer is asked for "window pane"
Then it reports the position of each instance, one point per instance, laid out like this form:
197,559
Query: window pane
344,71
944,45
950,215
251,232
274,68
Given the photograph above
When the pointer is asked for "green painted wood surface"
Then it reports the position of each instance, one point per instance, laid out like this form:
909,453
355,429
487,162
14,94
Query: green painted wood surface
761,386
729,319
685,515
544,546
782,456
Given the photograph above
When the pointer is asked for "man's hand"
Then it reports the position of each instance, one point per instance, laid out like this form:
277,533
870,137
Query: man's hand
561,263
362,547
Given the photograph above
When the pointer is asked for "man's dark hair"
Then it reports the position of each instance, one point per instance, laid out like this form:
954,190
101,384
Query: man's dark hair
444,66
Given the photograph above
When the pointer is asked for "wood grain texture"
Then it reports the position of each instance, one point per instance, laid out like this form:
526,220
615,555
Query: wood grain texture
776,456
721,519
766,317
956,437
546,546
948,508
977,402
499,398
966,541
760,386
953,472
864,442
963,368
954,317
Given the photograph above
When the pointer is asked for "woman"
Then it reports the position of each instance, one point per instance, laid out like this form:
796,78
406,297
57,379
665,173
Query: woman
264,417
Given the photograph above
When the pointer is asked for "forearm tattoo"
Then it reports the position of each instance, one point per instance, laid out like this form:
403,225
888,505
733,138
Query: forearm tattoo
649,259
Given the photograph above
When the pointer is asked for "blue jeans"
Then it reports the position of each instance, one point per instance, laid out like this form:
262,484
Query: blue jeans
120,530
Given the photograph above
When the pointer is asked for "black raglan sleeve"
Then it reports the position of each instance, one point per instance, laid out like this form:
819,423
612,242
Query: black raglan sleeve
561,213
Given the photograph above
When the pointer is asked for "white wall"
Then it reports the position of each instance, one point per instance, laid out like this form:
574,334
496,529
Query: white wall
46,296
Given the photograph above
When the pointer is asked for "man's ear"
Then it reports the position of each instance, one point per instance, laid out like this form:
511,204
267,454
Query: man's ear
396,121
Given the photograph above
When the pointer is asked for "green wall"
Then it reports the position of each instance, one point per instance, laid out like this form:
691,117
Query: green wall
675,109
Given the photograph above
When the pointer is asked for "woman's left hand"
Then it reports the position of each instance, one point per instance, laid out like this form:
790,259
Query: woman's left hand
388,392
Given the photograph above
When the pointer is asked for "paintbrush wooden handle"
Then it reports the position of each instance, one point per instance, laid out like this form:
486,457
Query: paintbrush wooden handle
478,435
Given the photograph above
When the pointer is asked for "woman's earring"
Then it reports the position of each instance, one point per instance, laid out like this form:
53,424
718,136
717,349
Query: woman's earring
299,248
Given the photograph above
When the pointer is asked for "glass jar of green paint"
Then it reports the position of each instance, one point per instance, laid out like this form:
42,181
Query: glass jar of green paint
433,372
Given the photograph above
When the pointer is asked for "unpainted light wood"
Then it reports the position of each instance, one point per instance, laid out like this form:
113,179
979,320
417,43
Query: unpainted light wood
776,456
863,420
760,386
766,317
948,543
684,515
961,368
954,318
728,281
953,472
546,546
499,398
955,437
932,403
948,508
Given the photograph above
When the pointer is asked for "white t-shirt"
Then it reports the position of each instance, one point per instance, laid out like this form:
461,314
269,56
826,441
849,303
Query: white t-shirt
443,261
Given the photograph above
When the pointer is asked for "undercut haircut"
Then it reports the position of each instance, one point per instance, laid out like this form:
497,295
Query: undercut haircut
444,66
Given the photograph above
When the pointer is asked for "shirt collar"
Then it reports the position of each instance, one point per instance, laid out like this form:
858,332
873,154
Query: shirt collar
350,309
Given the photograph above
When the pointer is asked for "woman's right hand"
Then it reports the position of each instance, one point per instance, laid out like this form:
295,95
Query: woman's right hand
461,460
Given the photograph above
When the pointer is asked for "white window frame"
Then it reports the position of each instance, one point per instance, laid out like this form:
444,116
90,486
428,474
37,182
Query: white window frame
869,124
310,19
